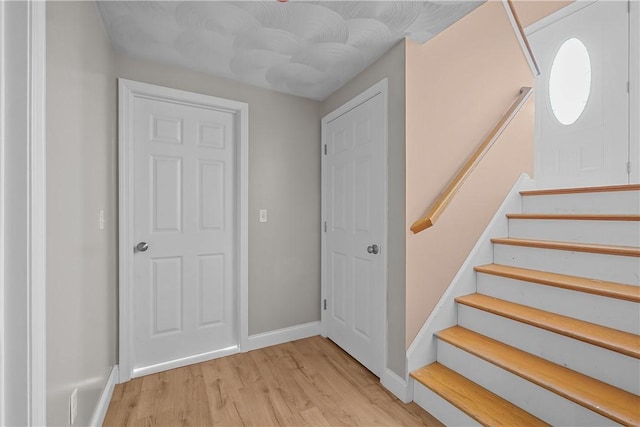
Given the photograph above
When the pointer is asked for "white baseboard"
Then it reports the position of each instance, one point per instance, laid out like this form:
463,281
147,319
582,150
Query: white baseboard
280,336
105,398
185,361
402,389
422,350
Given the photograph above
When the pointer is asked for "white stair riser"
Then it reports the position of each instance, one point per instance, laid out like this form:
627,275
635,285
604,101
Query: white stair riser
623,233
602,364
614,202
440,408
610,312
546,405
614,268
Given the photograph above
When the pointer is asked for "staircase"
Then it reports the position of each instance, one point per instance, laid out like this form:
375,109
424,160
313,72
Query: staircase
552,335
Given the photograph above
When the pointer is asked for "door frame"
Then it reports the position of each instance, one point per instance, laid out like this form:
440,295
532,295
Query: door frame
634,71
128,90
382,89
634,95
34,336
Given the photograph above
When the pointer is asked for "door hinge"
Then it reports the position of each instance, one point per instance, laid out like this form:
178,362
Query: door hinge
325,149
628,6
325,226
628,167
325,304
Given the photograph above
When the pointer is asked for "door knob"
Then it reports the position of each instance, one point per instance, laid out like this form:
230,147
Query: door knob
142,246
373,249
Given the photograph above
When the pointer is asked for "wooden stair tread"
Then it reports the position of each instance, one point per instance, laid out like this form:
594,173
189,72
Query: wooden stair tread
577,190
602,336
570,246
609,401
575,217
581,284
485,407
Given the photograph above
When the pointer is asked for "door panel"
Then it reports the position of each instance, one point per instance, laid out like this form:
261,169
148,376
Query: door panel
166,294
595,149
183,292
354,185
166,193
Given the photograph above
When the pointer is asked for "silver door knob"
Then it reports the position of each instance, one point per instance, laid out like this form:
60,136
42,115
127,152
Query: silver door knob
373,249
142,246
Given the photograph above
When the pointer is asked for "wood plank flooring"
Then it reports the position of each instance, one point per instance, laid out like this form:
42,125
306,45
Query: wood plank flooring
310,382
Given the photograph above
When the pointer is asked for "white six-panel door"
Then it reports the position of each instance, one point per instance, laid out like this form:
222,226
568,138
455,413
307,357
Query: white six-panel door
184,297
354,186
594,150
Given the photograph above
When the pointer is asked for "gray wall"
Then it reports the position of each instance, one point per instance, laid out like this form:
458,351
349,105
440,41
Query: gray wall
81,179
14,185
284,178
284,175
392,66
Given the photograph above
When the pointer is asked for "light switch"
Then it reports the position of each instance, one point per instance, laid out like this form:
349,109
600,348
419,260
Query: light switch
263,215
101,219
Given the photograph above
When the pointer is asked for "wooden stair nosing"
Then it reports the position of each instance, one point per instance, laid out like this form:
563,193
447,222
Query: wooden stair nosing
575,217
577,190
574,283
569,246
612,339
605,399
482,405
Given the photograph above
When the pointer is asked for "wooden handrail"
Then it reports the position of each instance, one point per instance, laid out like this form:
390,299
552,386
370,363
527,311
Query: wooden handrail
531,58
472,162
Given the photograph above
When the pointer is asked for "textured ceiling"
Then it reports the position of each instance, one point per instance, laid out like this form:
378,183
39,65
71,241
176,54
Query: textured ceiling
304,48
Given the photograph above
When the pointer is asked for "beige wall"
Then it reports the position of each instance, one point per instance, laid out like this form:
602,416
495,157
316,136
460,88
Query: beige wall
81,179
458,86
391,65
530,11
284,178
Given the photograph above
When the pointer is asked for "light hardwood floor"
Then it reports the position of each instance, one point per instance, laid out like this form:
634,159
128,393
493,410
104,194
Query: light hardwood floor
310,382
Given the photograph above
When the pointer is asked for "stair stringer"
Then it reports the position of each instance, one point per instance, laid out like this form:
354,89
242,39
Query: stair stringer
422,350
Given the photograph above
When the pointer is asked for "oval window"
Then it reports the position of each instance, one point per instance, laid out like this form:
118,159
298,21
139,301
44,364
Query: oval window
570,81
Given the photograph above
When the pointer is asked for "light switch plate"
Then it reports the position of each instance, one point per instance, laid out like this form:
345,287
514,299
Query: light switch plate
101,219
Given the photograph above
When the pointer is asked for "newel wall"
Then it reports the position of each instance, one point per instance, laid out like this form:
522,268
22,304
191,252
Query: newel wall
459,85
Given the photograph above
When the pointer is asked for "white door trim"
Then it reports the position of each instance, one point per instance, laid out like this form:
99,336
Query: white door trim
382,88
37,200
634,95
128,90
2,210
36,210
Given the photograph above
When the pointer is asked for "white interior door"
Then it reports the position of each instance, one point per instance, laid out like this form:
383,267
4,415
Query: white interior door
183,292
593,150
354,193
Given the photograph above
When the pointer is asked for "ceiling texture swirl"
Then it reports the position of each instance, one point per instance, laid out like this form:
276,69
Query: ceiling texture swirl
303,48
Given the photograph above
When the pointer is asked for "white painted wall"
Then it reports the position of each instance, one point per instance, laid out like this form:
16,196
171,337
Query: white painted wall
14,121
81,179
